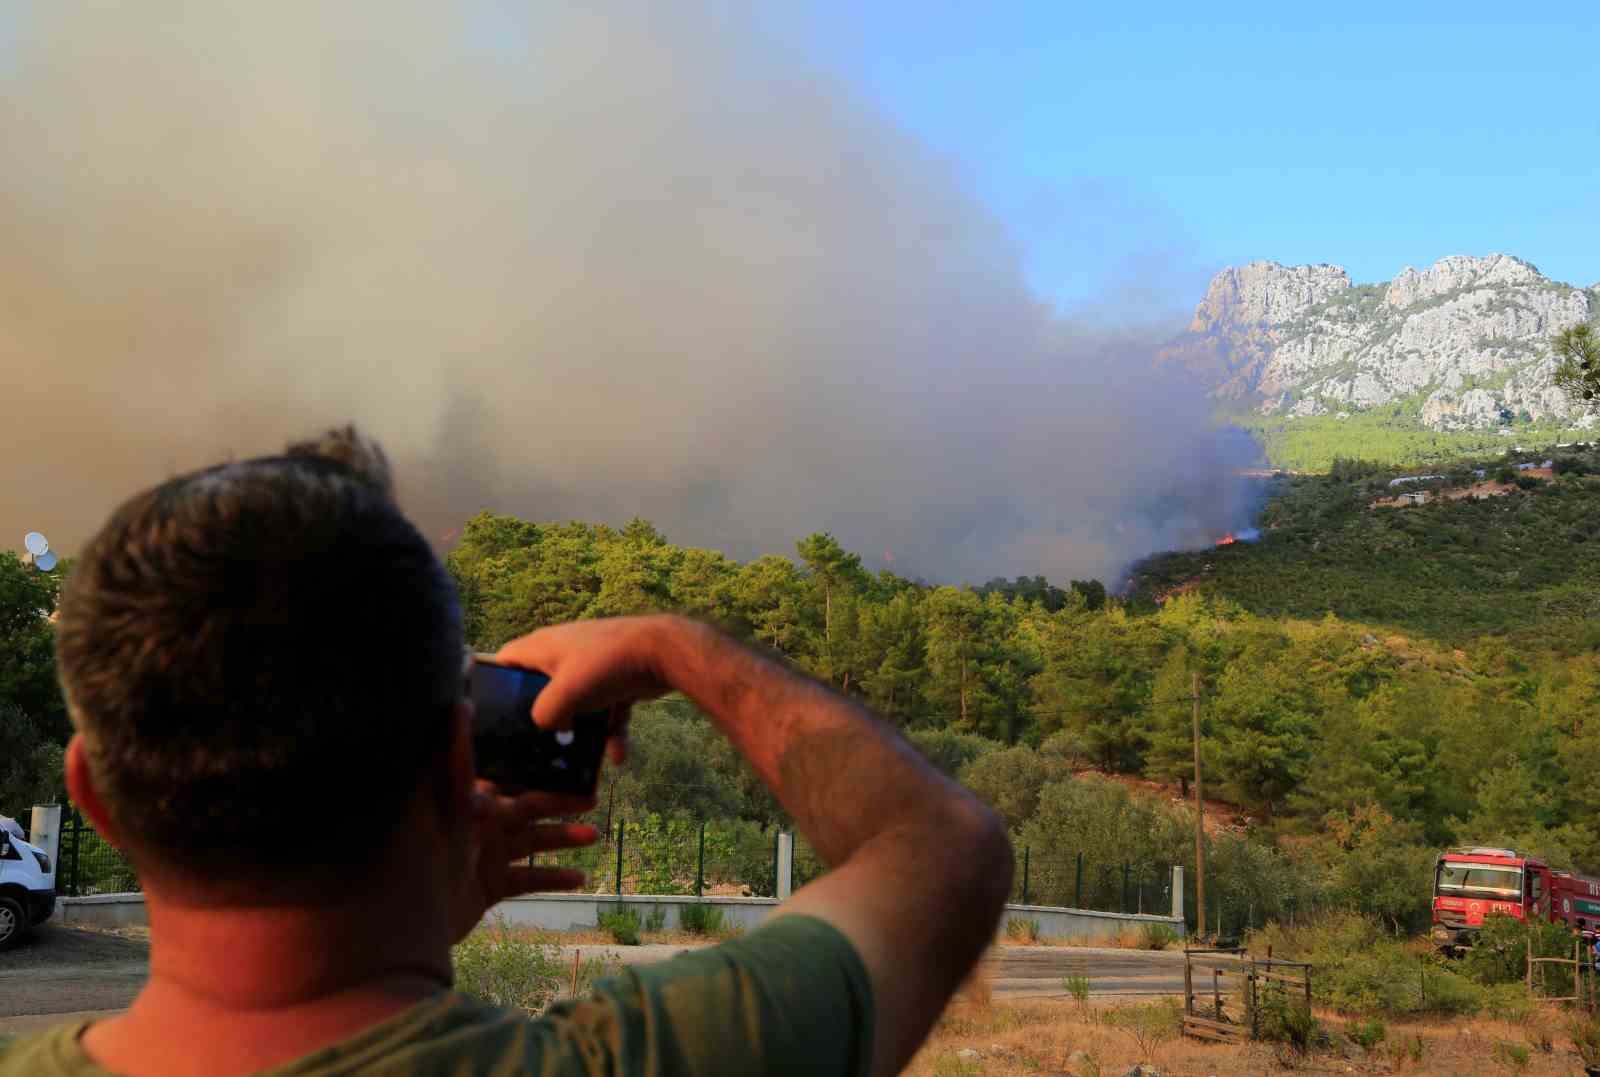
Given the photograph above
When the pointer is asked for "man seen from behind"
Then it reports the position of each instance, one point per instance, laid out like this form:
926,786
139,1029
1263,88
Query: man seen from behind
263,665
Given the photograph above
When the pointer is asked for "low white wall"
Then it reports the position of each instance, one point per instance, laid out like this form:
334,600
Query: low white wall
1084,924
566,912
101,910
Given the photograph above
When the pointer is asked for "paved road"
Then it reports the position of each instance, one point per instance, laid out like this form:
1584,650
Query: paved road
61,970
1038,971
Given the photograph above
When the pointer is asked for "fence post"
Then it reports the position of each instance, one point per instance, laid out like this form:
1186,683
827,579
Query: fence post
622,826
1529,948
44,830
776,834
785,885
1177,894
77,844
1077,884
1124,887
1025,851
700,868
1255,999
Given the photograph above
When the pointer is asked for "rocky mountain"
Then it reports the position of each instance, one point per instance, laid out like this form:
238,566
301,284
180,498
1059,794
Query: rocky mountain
1462,344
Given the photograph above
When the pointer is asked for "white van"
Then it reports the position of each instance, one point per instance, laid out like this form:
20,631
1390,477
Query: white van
27,887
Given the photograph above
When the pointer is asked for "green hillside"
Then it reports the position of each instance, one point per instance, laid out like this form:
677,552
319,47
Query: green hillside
1453,695
1311,722
1519,565
1391,435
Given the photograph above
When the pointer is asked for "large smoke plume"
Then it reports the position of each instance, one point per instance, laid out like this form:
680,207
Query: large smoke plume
602,261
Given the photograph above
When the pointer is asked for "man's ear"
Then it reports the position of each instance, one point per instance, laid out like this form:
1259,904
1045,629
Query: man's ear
80,787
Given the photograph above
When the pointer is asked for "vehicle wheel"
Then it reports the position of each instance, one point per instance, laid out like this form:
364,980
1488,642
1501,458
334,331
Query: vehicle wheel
13,921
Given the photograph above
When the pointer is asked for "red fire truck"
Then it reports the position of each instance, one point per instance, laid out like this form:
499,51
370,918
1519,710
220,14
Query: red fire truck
1469,884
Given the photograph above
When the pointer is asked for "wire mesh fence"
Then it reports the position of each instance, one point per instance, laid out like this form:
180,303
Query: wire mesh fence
88,864
668,855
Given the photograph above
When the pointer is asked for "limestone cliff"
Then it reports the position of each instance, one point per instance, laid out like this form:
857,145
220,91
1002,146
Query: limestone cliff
1463,343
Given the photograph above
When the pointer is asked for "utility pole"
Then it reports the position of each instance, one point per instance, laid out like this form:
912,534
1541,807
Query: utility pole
1199,818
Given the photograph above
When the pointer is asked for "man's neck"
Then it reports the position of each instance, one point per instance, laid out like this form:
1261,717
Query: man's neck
237,990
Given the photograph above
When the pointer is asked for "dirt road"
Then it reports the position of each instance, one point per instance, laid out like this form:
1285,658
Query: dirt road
62,970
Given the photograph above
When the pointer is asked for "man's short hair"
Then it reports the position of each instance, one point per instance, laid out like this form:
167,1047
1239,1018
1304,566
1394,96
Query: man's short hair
261,657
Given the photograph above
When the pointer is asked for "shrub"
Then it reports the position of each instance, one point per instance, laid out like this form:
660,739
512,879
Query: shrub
1020,930
1512,1054
1538,1035
1150,1026
1585,1033
1409,1050
1500,952
655,920
1156,937
749,857
1368,1033
1078,988
1285,1019
1009,781
623,924
700,919
951,750
514,970
1360,969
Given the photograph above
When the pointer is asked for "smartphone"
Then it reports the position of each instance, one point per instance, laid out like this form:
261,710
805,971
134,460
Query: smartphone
518,755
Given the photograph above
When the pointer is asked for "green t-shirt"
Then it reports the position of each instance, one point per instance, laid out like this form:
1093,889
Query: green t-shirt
791,998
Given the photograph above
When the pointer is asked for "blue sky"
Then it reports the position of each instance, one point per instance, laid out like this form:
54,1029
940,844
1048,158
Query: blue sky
1147,145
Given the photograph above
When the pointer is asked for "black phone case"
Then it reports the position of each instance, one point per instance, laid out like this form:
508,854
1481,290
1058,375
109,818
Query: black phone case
518,755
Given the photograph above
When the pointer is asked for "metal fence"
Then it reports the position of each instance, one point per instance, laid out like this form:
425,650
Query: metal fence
1069,879
653,855
673,855
88,864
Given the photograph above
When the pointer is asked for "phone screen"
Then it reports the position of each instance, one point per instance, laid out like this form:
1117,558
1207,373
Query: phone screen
518,755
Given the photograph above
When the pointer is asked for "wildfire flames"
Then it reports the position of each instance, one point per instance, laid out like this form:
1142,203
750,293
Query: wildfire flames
1249,534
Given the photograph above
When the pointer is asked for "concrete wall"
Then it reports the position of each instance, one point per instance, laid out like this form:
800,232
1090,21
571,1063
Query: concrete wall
101,910
1083,924
565,912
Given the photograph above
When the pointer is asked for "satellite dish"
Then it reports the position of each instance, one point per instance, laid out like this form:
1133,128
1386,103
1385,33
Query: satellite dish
45,561
36,543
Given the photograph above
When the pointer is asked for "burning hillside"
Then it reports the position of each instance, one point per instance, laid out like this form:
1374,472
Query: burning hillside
1248,534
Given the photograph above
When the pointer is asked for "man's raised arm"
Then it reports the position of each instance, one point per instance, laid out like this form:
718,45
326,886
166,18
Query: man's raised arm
921,868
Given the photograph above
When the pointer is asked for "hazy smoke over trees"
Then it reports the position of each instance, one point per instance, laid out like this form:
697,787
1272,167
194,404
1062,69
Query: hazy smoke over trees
597,262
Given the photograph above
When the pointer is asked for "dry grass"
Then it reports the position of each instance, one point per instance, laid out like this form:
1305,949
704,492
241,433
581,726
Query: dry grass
1040,1036
140,932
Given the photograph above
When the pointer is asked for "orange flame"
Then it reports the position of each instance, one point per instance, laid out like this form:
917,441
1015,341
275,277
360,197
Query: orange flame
1227,540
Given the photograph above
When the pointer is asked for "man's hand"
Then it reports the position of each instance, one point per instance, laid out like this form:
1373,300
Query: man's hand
506,829
592,665
607,664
